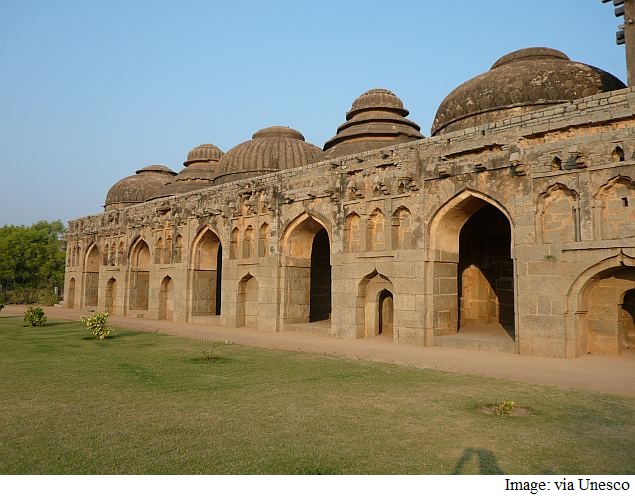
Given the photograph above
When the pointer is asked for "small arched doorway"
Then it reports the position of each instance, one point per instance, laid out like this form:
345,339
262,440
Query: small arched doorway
248,308
91,277
166,299
111,295
69,294
139,276
386,314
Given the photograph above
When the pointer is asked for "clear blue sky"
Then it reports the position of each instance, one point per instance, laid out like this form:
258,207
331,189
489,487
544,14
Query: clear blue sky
92,91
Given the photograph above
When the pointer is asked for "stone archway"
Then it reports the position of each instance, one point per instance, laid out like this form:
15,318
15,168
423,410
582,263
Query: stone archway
307,271
111,295
139,276
69,294
166,299
375,309
91,277
248,302
207,267
472,270
606,312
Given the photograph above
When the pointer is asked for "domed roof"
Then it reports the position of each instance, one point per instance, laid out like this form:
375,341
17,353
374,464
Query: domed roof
139,187
203,153
201,167
518,83
376,119
270,149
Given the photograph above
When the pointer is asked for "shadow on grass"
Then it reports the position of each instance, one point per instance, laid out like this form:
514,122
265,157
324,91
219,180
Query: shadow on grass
485,459
210,361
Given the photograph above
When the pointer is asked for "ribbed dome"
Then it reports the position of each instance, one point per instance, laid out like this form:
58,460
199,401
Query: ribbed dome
201,167
518,83
270,149
376,120
139,187
203,153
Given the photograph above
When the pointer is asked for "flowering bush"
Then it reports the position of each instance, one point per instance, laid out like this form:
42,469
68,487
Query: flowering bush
35,317
96,323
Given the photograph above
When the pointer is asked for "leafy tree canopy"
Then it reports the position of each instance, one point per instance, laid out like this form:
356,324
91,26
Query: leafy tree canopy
32,256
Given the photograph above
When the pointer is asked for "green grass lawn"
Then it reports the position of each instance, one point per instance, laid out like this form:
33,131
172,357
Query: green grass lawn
149,403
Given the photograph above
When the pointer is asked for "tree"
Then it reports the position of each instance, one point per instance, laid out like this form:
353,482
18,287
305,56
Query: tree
32,257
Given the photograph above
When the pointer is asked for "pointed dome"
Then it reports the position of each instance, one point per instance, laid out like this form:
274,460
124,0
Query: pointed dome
270,149
376,119
518,83
201,167
139,187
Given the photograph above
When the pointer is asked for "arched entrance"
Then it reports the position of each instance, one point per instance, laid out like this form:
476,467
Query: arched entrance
139,276
607,310
166,299
307,271
375,310
91,276
69,294
472,277
248,303
111,295
207,270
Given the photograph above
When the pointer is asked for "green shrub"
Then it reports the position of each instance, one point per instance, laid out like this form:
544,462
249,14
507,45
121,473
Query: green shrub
30,295
505,408
1,305
35,317
97,324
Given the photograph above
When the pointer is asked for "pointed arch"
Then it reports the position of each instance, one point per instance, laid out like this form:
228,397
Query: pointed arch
596,319
111,295
158,251
558,218
166,299
92,265
352,230
374,306
263,240
471,254
306,251
617,155
178,248
233,243
556,163
248,302
248,242
167,251
615,204
375,231
139,275
207,262
402,229
69,294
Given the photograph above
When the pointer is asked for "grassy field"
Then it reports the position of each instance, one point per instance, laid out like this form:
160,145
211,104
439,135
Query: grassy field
149,403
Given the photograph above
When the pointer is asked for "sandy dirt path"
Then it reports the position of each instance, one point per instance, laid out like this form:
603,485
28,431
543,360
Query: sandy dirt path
608,374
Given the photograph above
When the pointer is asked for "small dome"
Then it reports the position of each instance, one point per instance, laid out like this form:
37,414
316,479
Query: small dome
203,153
270,149
201,167
376,119
518,83
139,187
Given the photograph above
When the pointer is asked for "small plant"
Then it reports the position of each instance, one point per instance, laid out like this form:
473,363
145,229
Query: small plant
209,355
549,257
97,324
35,317
504,408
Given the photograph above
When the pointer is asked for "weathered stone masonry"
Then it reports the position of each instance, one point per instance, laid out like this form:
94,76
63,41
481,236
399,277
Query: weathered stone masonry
523,227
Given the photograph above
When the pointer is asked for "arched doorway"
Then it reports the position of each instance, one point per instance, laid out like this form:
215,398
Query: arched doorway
486,271
91,276
166,299
386,313
69,294
111,295
607,310
207,274
307,271
248,308
375,309
472,269
139,276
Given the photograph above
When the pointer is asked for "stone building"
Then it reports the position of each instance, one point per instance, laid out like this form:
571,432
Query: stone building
511,228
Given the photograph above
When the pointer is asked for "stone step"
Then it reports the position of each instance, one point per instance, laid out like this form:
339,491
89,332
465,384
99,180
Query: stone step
321,327
477,342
